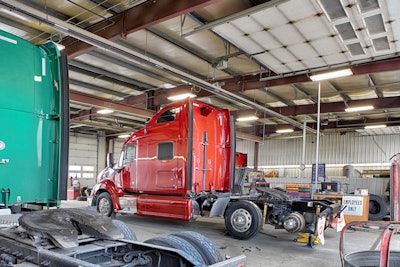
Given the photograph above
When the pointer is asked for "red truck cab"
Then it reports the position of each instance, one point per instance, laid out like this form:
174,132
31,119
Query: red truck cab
183,153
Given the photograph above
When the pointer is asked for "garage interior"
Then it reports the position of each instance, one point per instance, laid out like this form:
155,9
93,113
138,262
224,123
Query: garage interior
258,59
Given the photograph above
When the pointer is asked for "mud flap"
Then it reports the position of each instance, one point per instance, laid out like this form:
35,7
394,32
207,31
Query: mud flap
220,205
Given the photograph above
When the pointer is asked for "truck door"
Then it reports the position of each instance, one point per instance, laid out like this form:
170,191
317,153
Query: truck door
127,165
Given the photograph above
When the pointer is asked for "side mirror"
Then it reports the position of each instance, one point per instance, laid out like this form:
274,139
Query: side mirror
110,160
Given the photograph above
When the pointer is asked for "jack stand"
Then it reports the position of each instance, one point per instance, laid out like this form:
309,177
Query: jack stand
311,240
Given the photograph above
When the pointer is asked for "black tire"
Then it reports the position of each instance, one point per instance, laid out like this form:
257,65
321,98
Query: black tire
243,219
377,208
104,204
125,230
178,243
204,246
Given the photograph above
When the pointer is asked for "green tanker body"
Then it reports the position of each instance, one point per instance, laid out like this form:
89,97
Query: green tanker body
33,123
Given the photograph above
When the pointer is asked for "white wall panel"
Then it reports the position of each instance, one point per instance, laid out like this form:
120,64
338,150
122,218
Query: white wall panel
247,147
335,150
83,159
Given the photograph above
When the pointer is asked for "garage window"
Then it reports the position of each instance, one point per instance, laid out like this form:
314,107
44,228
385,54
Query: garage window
165,151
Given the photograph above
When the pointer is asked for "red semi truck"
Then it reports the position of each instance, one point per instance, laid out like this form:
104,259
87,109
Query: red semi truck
182,165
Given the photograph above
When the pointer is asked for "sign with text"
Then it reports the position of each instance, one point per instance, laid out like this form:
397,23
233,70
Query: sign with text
320,174
354,205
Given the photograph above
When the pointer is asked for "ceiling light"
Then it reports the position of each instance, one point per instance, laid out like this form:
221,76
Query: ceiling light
123,136
181,96
361,108
105,111
248,118
168,86
284,131
375,126
331,75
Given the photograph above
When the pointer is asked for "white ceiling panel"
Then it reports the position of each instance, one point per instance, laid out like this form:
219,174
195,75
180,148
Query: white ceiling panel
236,36
302,102
287,35
366,94
303,51
265,40
326,46
273,63
283,55
313,63
313,28
296,66
297,10
270,18
335,59
248,25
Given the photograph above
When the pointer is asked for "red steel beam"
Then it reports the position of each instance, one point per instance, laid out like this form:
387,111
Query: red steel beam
102,103
250,82
378,103
134,19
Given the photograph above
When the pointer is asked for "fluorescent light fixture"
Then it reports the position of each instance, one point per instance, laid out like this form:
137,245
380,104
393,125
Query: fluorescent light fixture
123,136
168,86
331,75
181,96
248,118
375,126
361,108
105,111
284,131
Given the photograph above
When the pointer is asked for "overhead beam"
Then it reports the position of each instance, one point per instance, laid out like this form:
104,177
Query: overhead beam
250,82
134,19
378,103
234,16
101,103
249,137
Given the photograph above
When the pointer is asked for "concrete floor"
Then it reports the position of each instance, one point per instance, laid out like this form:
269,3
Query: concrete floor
269,248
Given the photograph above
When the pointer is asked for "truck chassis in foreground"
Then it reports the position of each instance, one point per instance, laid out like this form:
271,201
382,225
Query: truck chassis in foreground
79,237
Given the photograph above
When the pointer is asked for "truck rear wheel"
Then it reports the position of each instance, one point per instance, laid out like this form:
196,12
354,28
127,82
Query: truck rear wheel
104,204
177,243
203,245
243,219
125,230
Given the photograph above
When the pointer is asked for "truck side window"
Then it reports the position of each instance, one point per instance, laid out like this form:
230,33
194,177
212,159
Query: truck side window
167,116
165,151
129,153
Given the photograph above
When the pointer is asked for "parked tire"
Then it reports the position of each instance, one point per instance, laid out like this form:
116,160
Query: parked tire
125,230
204,246
178,243
243,219
104,204
377,208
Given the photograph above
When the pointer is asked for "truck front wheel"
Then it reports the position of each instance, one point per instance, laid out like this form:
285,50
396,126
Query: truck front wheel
104,204
243,219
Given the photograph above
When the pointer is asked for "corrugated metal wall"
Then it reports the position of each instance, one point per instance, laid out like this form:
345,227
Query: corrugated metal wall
335,150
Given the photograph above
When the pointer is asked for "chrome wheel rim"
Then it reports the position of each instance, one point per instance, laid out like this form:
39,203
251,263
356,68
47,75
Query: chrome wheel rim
241,220
104,206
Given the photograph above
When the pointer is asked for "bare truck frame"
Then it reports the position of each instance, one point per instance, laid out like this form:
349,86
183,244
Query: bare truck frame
80,237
